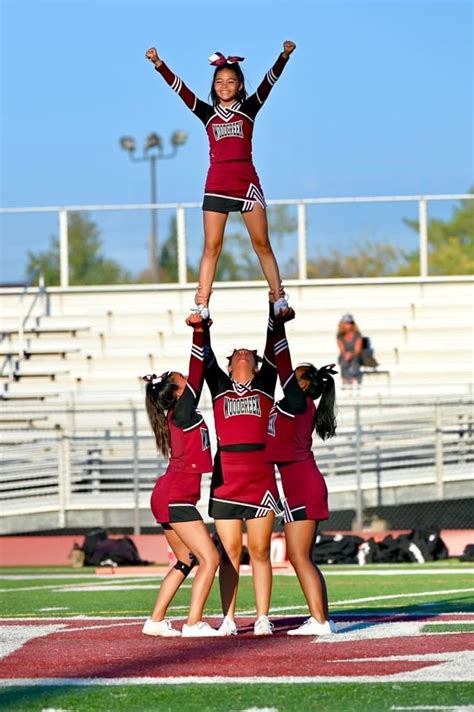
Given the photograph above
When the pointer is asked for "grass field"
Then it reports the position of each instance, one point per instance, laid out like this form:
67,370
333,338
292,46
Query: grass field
71,640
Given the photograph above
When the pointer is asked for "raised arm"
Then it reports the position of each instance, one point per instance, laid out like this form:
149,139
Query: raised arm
185,409
214,375
267,375
197,106
256,100
295,399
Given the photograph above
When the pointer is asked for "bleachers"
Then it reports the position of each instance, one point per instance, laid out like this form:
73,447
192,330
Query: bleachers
95,342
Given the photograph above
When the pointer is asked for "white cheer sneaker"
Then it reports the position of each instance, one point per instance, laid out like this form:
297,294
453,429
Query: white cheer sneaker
201,310
164,629
263,626
280,304
312,627
227,627
199,630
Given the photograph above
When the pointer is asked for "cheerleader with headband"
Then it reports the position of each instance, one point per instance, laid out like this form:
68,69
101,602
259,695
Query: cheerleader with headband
232,183
182,435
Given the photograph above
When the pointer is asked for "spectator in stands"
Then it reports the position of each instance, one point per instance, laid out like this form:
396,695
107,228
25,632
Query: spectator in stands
349,341
243,484
289,445
181,432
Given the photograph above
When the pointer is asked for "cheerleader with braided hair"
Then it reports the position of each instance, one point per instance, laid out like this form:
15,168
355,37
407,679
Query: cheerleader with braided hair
232,183
289,445
182,435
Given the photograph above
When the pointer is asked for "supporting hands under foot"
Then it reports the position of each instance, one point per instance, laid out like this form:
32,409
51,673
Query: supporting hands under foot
281,309
202,303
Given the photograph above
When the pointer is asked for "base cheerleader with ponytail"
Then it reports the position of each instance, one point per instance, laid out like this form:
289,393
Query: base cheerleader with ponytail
289,445
182,435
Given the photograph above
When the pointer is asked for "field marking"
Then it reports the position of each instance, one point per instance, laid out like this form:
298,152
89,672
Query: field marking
451,708
375,630
358,571
90,586
423,675
14,637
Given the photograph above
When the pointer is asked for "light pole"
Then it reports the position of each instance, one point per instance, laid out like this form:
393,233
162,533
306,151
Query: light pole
153,141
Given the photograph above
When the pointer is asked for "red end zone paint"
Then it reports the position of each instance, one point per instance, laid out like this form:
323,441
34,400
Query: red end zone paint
115,648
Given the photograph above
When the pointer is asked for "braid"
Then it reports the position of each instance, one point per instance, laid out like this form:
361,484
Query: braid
159,398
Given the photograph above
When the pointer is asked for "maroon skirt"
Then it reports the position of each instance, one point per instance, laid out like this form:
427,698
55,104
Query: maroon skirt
175,496
243,486
305,490
232,186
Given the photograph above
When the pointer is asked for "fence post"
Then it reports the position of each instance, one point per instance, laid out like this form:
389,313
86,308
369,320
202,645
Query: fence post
439,455
181,245
358,523
63,249
423,236
302,266
136,475
64,479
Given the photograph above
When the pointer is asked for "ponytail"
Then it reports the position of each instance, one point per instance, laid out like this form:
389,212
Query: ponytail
326,410
160,396
321,385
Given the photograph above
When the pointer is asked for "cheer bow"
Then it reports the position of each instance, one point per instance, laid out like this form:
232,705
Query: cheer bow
218,60
154,379
326,371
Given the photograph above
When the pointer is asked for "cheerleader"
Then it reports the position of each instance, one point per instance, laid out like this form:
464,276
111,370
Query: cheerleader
243,483
182,434
232,182
289,445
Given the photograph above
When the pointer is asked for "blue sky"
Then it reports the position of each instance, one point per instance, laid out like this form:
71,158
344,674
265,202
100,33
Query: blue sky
377,98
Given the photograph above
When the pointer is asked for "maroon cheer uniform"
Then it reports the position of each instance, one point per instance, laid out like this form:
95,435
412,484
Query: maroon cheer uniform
243,483
177,491
289,443
232,182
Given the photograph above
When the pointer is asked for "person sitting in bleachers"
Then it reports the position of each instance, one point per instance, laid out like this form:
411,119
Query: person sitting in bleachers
349,341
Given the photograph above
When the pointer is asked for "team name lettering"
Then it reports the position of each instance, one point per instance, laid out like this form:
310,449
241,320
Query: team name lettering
242,406
225,130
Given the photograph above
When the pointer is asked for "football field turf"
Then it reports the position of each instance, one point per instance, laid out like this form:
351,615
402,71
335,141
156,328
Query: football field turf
71,640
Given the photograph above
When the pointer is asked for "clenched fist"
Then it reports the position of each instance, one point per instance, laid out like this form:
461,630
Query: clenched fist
288,48
152,55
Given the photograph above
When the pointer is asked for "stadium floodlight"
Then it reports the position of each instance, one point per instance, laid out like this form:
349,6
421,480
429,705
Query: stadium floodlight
128,143
153,140
179,138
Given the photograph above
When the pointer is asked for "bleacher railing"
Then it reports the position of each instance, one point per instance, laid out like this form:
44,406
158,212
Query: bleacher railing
384,455
300,203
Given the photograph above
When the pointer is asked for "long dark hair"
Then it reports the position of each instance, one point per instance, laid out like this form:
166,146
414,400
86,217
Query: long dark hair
160,397
235,67
321,385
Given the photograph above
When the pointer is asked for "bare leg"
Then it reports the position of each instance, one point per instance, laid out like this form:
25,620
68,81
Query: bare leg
195,535
256,222
300,538
214,225
230,534
173,578
259,535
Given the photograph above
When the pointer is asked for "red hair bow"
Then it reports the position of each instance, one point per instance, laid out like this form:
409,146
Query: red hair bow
218,60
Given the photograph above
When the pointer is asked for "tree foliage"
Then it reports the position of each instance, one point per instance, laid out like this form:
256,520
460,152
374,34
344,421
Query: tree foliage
86,263
450,244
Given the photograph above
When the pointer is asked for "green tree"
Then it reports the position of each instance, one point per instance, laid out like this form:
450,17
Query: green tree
86,264
450,244
368,259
